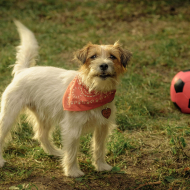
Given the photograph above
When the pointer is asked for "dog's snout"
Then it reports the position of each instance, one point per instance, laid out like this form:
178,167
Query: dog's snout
104,66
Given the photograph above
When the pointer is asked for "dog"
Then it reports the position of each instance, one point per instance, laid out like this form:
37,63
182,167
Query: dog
78,101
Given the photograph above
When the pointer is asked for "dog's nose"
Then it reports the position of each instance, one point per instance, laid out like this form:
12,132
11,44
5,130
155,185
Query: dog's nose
103,67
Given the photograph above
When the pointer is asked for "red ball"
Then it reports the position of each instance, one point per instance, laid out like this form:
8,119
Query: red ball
180,91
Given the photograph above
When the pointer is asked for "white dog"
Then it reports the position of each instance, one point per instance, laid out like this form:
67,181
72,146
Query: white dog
78,101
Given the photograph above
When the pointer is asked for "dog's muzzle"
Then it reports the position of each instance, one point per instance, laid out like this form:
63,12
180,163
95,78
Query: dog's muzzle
104,67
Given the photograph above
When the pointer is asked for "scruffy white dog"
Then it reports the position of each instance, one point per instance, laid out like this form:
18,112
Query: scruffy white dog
78,101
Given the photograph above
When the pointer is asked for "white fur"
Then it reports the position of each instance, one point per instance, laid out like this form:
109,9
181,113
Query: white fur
27,51
41,89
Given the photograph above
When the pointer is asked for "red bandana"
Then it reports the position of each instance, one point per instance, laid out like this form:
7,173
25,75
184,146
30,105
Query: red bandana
78,98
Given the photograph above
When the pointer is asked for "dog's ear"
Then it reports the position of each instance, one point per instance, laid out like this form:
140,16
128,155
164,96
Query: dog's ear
125,55
81,54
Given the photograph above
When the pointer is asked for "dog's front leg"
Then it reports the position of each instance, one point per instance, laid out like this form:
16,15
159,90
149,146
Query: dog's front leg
70,147
99,146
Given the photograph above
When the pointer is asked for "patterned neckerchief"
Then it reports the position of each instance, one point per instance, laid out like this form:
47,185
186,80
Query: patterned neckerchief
78,98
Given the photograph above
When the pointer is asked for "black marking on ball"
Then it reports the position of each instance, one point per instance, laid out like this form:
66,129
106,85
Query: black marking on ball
189,104
179,86
175,104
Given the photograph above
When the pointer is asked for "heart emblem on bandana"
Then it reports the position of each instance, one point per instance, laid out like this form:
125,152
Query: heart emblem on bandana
106,112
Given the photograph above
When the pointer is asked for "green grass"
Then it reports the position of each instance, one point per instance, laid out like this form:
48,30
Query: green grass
151,142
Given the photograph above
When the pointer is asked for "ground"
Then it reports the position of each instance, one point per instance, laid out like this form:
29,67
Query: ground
150,148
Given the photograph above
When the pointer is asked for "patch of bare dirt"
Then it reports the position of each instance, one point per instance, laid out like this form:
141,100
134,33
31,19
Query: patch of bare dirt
59,182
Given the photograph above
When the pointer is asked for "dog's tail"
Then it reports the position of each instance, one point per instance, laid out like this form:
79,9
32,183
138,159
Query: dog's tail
27,51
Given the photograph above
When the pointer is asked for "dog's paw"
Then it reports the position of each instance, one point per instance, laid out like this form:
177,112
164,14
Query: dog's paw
2,162
103,167
74,173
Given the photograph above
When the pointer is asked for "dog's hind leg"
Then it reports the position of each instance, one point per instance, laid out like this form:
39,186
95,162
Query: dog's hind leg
11,105
42,131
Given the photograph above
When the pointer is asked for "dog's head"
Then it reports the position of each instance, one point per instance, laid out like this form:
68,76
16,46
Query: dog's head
102,64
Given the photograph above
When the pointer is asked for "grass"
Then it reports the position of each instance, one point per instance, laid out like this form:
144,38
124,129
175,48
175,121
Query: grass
151,142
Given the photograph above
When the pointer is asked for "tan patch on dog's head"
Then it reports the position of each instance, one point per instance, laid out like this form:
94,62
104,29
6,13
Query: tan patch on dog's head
123,55
102,64
82,54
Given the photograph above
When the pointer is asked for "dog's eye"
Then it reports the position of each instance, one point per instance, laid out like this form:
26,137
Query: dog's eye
112,57
93,57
